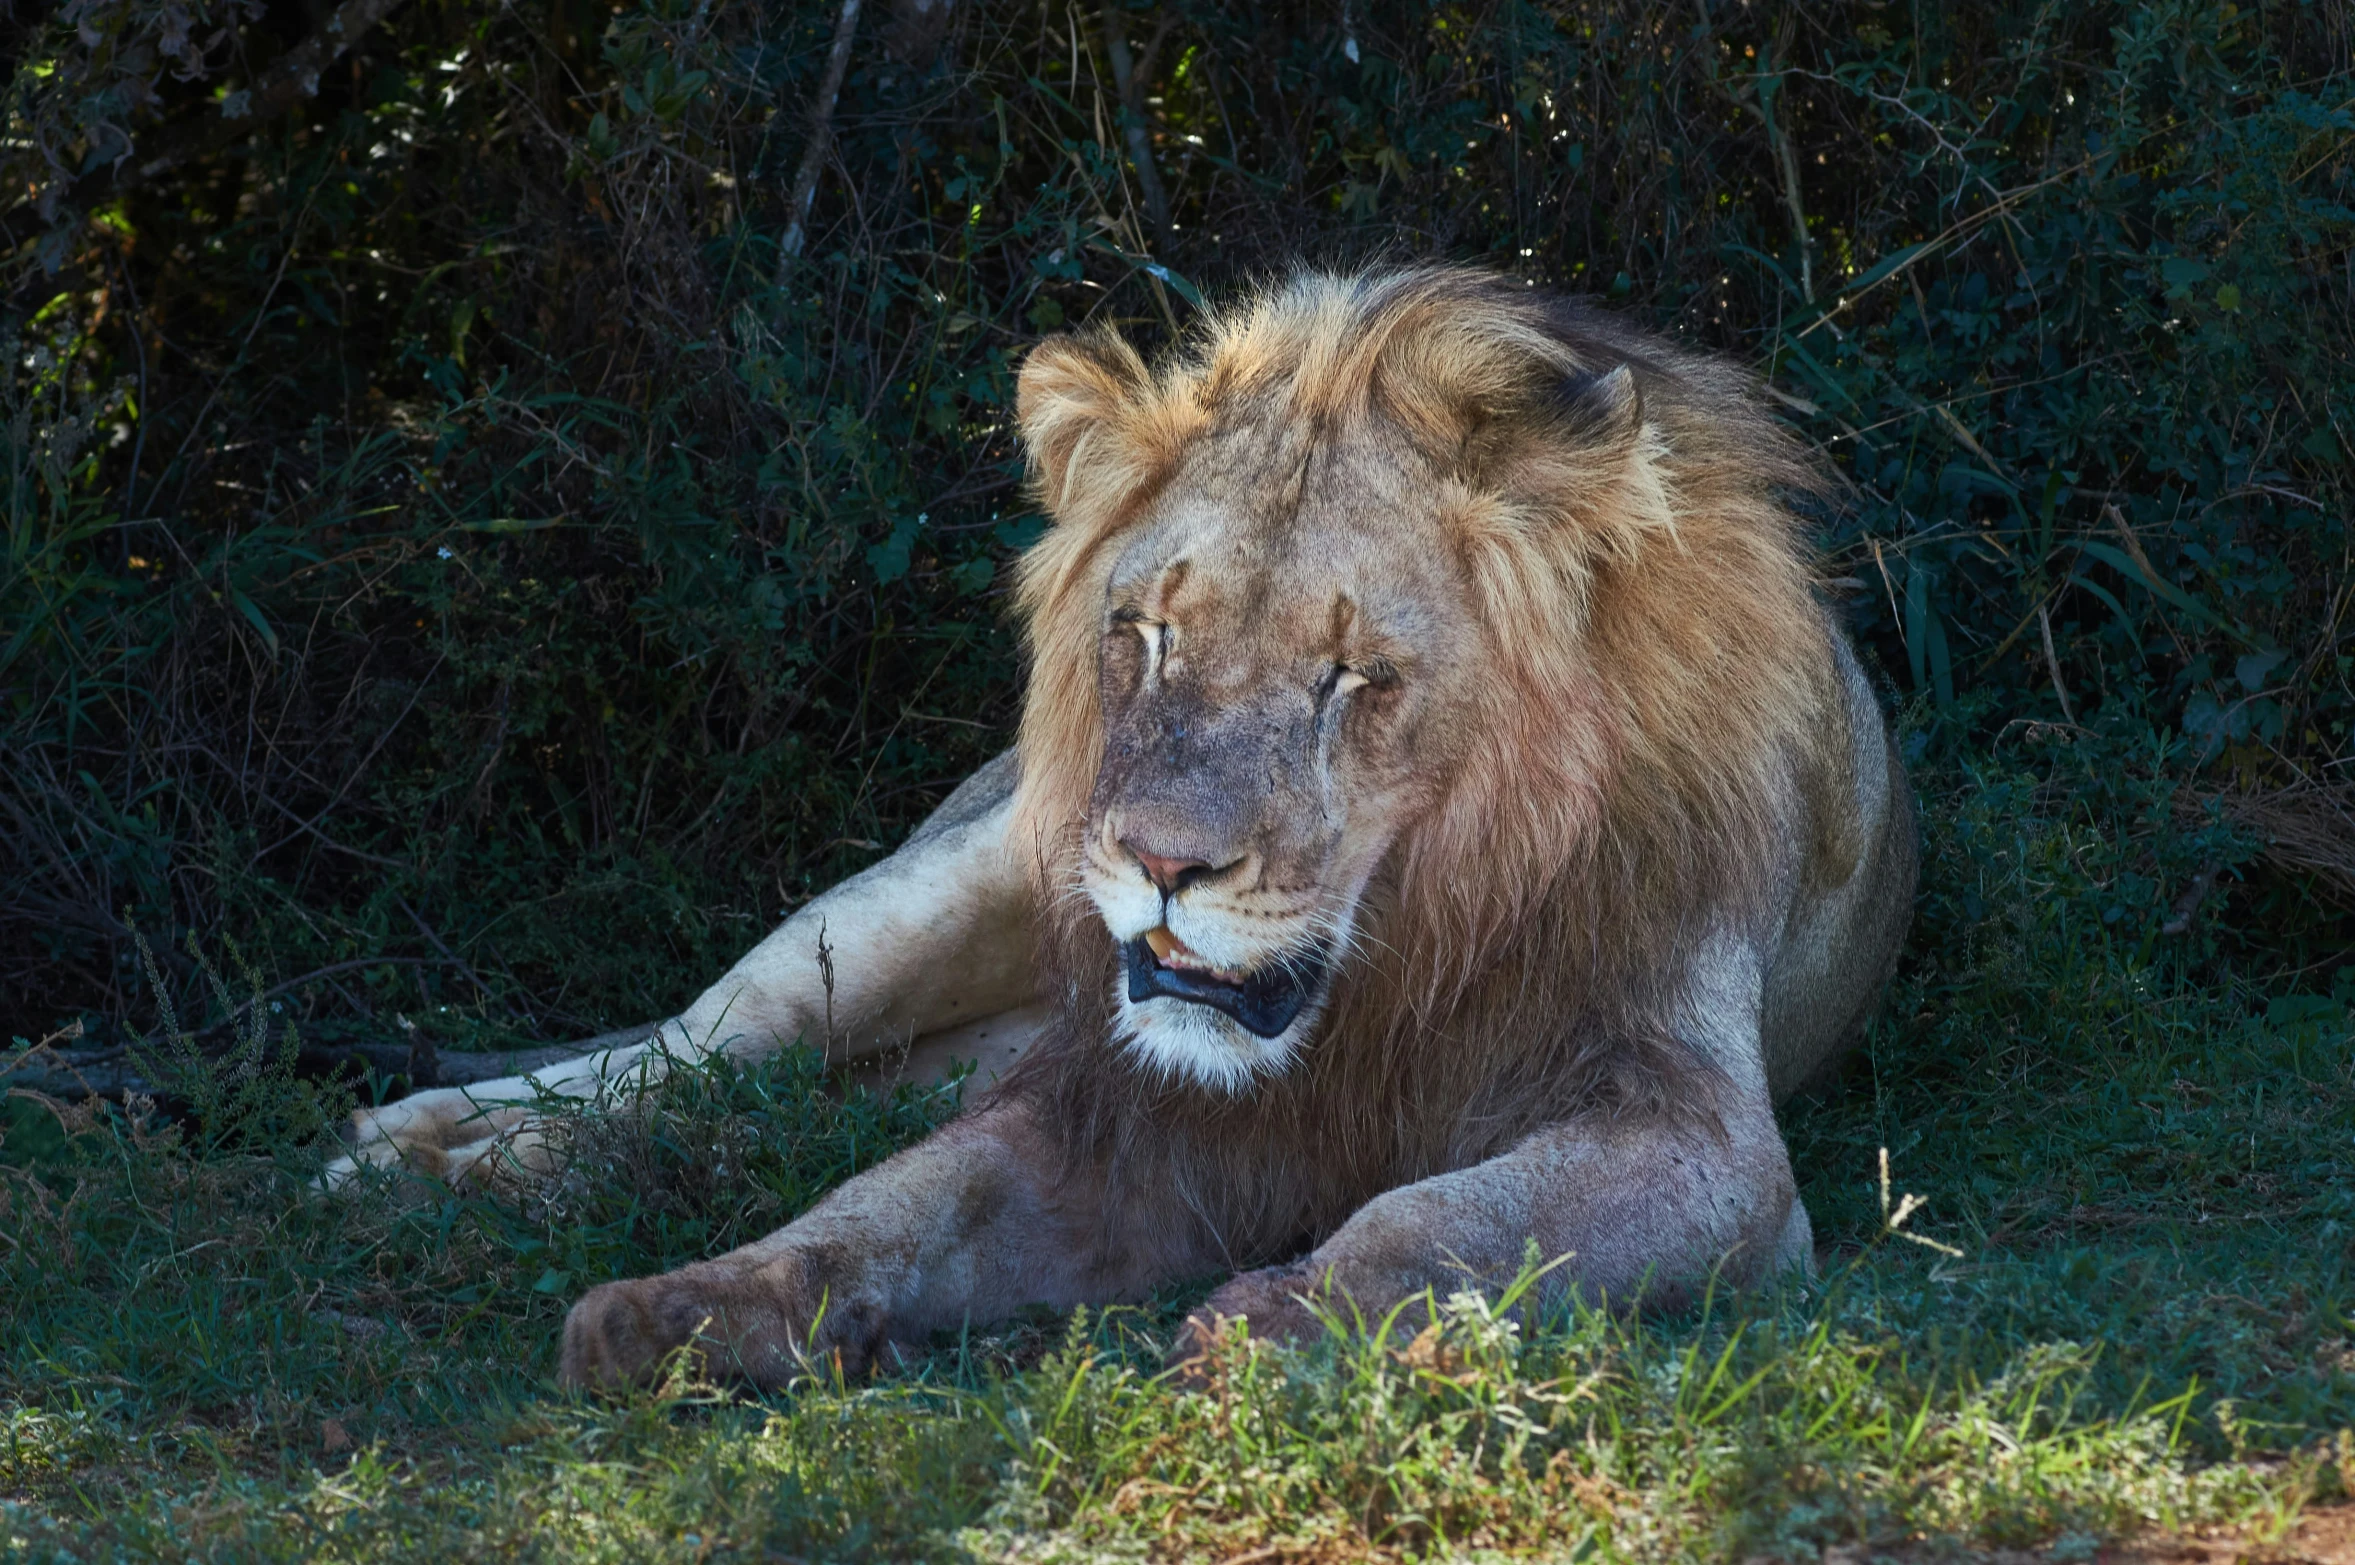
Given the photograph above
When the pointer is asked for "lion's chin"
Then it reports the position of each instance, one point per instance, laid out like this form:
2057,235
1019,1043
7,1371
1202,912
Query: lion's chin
1188,1041
1192,1043
1218,1028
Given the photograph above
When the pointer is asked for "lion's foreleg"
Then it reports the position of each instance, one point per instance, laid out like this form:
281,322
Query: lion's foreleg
1633,1206
936,935
1640,1209
969,1225
470,1133
939,934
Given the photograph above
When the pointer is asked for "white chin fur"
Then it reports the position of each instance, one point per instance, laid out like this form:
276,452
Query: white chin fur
1190,1042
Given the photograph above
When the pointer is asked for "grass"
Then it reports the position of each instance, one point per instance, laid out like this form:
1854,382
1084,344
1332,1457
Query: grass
2144,1155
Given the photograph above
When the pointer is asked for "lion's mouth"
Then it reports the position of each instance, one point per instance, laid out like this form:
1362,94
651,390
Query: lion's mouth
1265,1001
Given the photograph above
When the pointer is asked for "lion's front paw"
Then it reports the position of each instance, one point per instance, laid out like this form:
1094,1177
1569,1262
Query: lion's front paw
759,1323
452,1133
1273,1303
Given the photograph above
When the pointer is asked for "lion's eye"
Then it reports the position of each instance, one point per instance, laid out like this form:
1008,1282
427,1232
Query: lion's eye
1378,673
1152,633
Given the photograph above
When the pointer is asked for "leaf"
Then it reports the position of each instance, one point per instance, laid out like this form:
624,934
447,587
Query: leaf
2252,669
2116,559
889,559
2303,1010
1941,662
2181,273
1888,267
1178,283
1818,373
2079,579
1019,532
514,524
1917,613
246,607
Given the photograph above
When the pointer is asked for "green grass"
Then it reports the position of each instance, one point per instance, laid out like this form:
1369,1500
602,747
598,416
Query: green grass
2145,1156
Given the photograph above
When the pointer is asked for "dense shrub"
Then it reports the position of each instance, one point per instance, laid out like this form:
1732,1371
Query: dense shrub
453,545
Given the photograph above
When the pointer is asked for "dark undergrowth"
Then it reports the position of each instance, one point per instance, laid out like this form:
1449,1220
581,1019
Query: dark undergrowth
454,551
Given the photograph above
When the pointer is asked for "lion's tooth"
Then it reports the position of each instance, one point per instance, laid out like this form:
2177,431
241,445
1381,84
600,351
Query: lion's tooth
1163,943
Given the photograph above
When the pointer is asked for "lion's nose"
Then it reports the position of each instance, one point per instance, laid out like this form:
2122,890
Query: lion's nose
1172,875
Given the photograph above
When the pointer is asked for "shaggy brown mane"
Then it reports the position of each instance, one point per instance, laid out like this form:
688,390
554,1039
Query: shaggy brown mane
1663,687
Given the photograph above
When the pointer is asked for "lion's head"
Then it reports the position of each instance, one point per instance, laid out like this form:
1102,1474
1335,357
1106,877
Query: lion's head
1394,609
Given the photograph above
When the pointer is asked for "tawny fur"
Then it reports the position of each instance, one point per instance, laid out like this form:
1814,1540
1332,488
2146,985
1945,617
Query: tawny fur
1602,822
1658,660
1661,680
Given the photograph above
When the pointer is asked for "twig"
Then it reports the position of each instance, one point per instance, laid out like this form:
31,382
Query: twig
826,976
440,945
1953,231
310,828
1132,118
1937,132
2052,666
2179,916
425,1060
1765,86
1789,159
813,156
276,990
381,739
135,324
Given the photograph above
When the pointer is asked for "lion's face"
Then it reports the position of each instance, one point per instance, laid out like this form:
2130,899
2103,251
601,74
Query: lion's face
1392,607
1284,643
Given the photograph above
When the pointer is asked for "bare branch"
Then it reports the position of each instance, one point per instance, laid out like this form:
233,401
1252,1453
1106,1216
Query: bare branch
115,1073
1132,117
813,156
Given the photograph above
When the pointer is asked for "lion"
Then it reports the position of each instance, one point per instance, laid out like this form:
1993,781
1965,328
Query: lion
1443,824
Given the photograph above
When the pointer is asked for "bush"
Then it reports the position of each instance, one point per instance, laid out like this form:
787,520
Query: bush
450,544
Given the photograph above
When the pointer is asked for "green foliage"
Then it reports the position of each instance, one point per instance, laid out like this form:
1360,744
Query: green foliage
720,1156
2122,1139
443,528
245,1093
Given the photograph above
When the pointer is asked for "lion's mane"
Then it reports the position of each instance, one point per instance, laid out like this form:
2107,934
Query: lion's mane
1663,687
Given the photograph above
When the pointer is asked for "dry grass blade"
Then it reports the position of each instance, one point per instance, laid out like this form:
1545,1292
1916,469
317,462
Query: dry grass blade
2307,827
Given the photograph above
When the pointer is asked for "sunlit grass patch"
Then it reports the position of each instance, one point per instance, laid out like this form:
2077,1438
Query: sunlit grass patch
1586,1435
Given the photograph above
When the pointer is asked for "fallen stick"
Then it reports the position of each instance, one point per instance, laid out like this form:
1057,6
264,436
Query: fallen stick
117,1072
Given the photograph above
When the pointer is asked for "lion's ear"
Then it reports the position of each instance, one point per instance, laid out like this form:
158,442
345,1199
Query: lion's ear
1564,434
1600,409
1075,394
